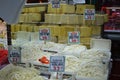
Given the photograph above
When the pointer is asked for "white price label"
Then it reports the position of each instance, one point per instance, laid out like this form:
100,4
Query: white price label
89,14
55,4
44,34
79,1
57,63
15,56
73,37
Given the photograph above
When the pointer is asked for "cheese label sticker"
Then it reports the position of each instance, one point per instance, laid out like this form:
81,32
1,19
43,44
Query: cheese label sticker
44,34
74,37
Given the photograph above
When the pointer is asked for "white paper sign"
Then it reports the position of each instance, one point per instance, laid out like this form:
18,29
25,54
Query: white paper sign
57,63
89,14
79,1
55,4
73,37
44,34
15,56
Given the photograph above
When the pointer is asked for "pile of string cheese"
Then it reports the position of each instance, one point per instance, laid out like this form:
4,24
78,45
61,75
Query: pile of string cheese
31,51
71,63
94,64
11,72
74,50
53,46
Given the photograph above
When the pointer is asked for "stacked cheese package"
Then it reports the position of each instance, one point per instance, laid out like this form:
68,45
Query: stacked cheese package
61,19
85,35
31,14
64,8
81,8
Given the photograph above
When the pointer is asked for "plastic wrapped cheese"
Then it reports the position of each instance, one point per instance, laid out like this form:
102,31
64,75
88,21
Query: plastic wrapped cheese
74,50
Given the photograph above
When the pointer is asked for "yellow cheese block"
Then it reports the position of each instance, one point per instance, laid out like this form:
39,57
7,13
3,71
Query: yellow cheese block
34,17
61,18
85,40
17,27
56,30
81,8
96,30
99,19
62,31
67,8
25,10
54,10
29,28
31,9
85,31
22,17
62,39
40,9
64,8
12,28
36,28
23,27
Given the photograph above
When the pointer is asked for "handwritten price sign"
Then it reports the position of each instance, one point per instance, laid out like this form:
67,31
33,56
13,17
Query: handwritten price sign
44,34
15,56
73,37
89,14
57,63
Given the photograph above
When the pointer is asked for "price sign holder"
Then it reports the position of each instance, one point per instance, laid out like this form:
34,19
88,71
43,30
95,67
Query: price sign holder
14,56
89,14
57,64
44,34
74,37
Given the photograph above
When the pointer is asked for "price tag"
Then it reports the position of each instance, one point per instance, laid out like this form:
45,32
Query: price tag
89,14
79,1
73,37
44,34
15,56
57,63
55,4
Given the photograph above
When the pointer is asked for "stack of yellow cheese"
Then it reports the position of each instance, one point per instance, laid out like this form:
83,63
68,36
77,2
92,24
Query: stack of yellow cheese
61,18
30,17
34,9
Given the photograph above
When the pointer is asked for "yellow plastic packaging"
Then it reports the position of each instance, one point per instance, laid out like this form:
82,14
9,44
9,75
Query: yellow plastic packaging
81,8
85,31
